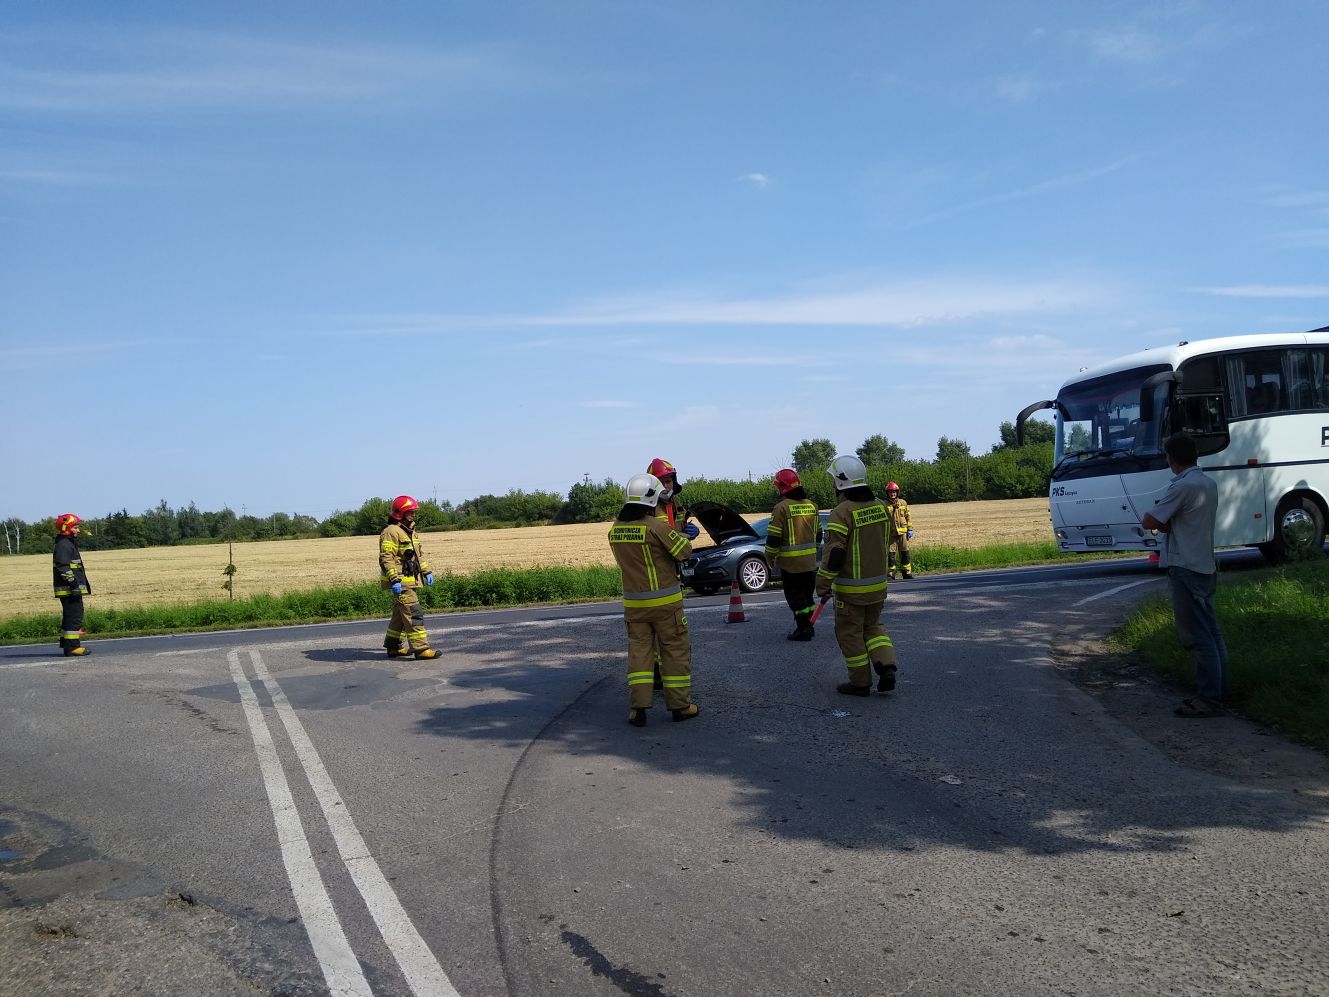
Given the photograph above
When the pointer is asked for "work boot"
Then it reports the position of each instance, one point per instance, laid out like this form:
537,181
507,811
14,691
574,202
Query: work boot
427,653
849,689
637,717
74,651
687,713
885,677
799,633
907,574
399,652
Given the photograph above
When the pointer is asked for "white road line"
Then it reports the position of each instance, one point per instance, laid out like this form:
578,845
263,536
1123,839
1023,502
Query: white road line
1113,591
423,973
341,969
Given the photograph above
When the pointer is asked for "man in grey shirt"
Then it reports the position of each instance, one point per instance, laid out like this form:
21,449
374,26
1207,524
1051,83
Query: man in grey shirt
1185,515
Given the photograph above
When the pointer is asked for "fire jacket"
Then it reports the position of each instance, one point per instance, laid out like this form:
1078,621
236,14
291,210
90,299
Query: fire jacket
400,558
856,544
899,510
648,552
67,570
672,512
792,535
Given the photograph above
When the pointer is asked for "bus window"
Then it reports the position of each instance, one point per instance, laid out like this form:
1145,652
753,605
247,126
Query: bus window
1254,383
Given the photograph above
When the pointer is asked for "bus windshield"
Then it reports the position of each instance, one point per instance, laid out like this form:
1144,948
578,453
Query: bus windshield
1101,417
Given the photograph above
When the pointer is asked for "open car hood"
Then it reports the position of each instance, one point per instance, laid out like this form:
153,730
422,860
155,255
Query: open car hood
722,522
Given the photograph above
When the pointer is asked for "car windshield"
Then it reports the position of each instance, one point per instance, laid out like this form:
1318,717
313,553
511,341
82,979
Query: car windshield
761,526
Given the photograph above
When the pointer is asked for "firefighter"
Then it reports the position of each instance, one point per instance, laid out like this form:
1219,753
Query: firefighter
902,529
853,569
791,542
672,512
648,552
403,569
71,583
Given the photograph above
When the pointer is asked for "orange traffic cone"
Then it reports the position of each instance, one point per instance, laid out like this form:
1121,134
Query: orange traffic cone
735,605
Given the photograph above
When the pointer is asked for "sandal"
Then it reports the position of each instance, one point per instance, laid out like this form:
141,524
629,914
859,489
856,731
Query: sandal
1197,708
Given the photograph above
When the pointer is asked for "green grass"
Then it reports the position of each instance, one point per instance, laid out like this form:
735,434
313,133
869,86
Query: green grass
495,587
1275,623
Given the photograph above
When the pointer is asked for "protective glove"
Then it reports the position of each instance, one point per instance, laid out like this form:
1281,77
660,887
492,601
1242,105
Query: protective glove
690,529
909,534
396,588
429,578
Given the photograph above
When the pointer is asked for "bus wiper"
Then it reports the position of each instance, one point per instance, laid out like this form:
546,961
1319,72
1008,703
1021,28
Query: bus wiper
1074,453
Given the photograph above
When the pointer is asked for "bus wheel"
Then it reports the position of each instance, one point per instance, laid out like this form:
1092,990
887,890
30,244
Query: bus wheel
1298,530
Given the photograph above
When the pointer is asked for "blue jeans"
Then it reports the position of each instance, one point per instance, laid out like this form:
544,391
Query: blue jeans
1197,626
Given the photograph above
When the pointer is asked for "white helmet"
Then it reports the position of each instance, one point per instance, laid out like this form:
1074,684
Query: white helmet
644,489
848,472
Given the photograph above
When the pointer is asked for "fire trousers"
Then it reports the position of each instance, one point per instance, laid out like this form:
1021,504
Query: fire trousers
799,592
664,627
900,542
407,623
863,640
71,621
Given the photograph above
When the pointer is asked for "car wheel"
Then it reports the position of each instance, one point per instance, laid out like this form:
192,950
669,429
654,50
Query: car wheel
753,575
1298,530
706,589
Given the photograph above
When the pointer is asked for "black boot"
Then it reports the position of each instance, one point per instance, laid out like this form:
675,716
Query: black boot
849,689
800,632
687,713
885,677
638,717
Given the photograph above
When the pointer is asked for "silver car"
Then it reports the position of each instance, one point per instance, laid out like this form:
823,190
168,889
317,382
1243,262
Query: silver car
738,554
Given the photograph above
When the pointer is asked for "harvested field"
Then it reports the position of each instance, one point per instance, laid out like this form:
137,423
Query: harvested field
157,575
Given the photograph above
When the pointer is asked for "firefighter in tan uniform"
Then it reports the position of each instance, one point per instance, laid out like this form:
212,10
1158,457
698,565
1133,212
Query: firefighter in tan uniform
791,542
902,530
402,568
648,551
71,583
853,568
670,510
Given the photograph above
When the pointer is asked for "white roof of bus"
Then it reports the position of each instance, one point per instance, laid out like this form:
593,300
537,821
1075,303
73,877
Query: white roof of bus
1172,356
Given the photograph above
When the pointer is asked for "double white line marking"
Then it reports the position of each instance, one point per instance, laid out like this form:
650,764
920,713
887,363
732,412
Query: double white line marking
341,968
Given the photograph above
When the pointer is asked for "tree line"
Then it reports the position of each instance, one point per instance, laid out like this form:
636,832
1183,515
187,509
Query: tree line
955,474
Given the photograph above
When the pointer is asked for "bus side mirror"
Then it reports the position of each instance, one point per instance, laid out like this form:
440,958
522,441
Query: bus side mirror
1024,415
1147,392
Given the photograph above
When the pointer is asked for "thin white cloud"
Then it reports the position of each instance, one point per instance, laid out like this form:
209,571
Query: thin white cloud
1062,182
606,403
1018,89
173,69
1127,44
1268,291
759,180
901,305
706,360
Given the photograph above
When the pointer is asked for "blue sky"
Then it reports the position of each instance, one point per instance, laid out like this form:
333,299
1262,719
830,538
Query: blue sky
289,256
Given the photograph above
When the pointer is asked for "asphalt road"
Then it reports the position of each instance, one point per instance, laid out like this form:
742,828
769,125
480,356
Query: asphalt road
286,812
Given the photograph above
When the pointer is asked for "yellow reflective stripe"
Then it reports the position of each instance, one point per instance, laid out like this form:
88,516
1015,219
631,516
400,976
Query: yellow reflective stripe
824,573
856,588
388,546
857,661
640,678
798,549
674,551
663,600
676,681
876,642
778,531
838,528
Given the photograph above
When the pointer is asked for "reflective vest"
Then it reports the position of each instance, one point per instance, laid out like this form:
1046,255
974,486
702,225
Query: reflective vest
859,529
647,551
67,572
792,535
400,558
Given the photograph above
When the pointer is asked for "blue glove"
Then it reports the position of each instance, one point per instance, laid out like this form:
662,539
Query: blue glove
429,578
396,588
691,530
909,534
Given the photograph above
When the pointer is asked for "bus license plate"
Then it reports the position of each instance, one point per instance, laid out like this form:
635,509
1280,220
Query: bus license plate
1098,541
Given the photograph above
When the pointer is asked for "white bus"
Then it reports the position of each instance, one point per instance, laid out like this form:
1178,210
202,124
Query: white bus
1258,407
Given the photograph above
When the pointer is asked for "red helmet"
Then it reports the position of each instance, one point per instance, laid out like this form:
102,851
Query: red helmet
662,469
403,504
891,486
65,522
786,481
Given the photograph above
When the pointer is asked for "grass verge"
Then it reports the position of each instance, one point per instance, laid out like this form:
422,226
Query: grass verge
1276,627
495,587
